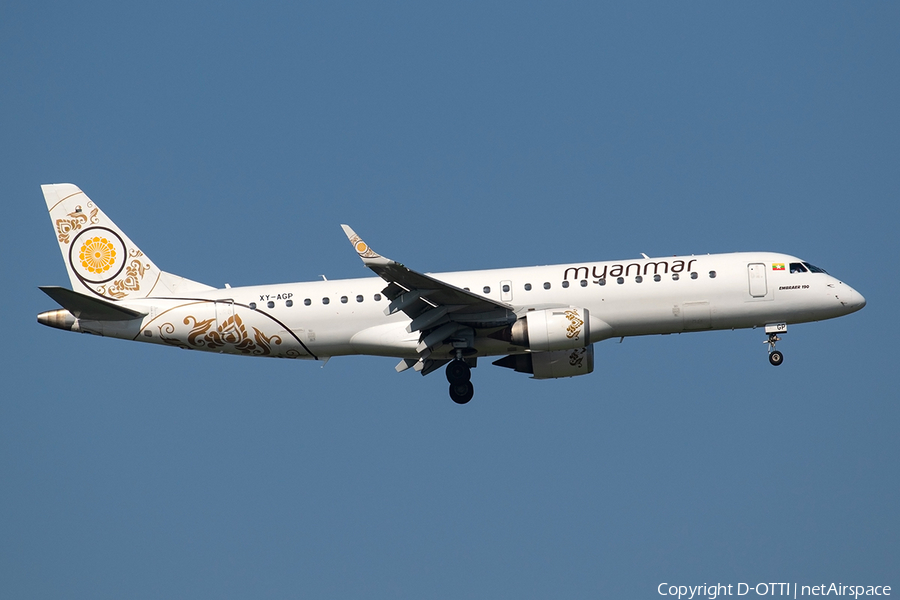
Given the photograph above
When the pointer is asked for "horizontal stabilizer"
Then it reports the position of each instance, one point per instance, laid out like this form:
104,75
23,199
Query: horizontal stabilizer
90,309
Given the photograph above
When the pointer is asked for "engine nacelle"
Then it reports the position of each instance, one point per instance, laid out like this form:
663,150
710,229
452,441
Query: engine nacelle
552,365
553,329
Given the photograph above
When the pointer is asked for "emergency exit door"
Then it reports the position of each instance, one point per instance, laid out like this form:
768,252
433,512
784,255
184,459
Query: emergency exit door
224,314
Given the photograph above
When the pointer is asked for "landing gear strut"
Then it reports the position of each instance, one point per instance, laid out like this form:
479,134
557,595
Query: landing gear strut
459,375
775,357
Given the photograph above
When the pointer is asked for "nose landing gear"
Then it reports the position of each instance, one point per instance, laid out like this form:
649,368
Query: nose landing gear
775,356
459,375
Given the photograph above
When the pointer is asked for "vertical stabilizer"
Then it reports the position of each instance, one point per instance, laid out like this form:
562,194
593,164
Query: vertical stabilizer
100,259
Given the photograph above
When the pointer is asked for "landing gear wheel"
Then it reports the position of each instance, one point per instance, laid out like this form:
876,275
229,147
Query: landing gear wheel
776,358
458,372
462,392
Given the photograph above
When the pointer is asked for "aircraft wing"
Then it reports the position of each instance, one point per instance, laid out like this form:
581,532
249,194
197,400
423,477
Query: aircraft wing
444,314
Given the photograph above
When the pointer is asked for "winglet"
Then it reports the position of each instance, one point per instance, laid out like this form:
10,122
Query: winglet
368,256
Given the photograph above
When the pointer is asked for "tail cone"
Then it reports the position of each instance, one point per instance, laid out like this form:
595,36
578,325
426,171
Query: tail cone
60,319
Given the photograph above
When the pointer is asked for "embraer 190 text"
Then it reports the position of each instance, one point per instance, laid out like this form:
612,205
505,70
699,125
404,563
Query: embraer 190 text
540,320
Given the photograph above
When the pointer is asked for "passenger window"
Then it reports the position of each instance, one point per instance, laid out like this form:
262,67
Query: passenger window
487,289
694,275
638,279
584,283
657,278
325,300
270,304
359,298
601,282
546,285
674,276
712,274
377,297
505,288
307,302
343,299
620,280
565,284
253,306
527,287
797,268
289,303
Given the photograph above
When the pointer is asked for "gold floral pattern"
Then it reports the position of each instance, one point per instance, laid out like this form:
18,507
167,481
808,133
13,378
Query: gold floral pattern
576,358
362,248
130,281
575,323
206,334
73,222
97,255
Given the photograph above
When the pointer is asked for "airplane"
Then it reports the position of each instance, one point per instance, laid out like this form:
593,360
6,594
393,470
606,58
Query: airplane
543,321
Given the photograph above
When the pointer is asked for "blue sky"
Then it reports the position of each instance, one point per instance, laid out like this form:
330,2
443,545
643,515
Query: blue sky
230,141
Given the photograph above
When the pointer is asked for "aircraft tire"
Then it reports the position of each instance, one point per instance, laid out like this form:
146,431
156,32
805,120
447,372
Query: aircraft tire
462,392
776,358
458,372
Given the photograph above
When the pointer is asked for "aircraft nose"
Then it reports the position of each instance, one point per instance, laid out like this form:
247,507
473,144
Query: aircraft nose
852,299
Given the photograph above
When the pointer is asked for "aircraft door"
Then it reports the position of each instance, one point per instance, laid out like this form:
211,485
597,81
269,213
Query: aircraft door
224,314
506,291
757,275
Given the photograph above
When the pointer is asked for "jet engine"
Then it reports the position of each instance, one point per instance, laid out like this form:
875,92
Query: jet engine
552,329
552,365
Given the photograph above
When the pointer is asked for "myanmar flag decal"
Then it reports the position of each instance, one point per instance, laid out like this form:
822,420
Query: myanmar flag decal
778,266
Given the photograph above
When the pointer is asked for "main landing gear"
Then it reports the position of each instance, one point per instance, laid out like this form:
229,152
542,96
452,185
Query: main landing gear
775,357
459,375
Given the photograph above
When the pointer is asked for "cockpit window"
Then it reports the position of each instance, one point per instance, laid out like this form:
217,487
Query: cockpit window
797,268
814,268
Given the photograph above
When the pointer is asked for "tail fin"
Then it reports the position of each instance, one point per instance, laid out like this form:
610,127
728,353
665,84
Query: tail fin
100,258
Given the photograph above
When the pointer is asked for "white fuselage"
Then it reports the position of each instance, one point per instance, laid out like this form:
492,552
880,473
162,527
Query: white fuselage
320,319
